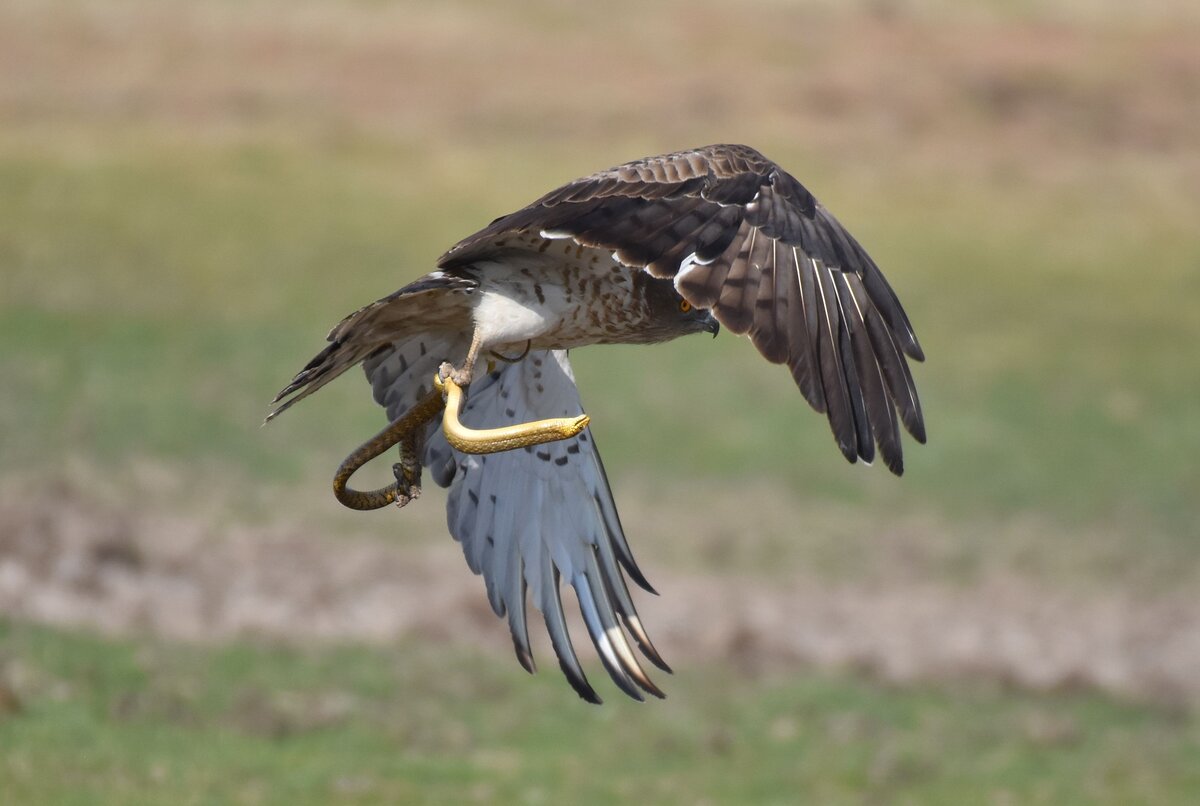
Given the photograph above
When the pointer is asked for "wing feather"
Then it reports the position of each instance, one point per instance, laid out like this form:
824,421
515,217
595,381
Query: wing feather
896,374
602,635
701,284
612,522
518,624
832,369
799,297
768,331
560,636
865,438
735,302
880,407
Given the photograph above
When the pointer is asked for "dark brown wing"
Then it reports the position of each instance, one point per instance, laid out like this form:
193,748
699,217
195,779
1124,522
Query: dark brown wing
742,237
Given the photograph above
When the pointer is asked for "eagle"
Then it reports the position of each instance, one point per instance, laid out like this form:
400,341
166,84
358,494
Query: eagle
642,253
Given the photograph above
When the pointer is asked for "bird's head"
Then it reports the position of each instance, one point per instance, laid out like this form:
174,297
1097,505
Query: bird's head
672,316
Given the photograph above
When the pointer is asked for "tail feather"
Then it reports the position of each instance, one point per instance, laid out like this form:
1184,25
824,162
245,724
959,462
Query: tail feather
437,301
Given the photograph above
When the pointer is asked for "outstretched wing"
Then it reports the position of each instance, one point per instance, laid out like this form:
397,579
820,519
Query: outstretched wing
529,518
742,237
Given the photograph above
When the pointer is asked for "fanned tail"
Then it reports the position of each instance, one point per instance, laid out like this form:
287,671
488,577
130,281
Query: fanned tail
437,301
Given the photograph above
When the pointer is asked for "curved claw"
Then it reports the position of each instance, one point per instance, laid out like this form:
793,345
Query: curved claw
506,438
425,410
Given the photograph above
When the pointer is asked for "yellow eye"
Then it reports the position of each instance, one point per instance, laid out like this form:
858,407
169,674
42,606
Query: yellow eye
684,305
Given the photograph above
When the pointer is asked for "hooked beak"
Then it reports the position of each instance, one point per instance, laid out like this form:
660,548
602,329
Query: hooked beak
712,325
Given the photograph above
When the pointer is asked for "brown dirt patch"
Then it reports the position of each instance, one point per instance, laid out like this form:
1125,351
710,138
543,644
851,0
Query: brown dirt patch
67,560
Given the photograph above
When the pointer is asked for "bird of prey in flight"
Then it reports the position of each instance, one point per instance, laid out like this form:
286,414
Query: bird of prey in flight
641,253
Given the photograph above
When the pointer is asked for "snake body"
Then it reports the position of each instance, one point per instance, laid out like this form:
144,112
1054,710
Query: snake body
445,394
396,431
505,438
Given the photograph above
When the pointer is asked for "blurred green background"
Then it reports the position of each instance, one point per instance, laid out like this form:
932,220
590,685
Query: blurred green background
192,193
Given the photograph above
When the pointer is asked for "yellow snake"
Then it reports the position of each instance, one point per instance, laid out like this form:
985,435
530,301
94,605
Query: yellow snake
448,394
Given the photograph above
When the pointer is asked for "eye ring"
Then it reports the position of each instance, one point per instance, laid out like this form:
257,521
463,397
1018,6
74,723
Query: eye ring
684,306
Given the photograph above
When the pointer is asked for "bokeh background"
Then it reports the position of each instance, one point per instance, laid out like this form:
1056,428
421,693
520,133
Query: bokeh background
192,193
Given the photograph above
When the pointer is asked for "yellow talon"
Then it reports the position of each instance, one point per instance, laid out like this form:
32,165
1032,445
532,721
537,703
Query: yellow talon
506,438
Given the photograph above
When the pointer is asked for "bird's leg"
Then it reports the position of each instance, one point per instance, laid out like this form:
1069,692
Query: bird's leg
462,375
515,359
408,471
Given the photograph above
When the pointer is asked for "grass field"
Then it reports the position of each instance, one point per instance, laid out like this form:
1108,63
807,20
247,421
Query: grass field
192,193
122,722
